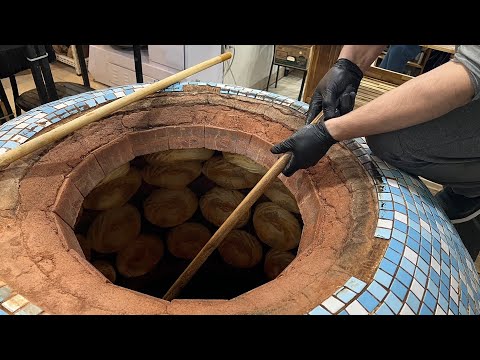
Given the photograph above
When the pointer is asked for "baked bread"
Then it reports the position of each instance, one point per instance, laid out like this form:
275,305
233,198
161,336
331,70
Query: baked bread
245,163
280,195
186,240
118,172
217,204
229,176
276,227
276,261
172,176
113,229
140,256
85,245
115,192
241,249
106,269
174,156
168,208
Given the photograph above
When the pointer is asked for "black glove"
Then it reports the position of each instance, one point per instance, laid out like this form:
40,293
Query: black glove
336,92
308,145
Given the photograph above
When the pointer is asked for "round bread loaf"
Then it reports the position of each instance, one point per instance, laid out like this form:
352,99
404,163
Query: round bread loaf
241,249
172,176
245,163
114,193
113,229
186,240
276,227
172,156
276,261
140,256
280,195
227,175
118,172
217,204
106,269
168,208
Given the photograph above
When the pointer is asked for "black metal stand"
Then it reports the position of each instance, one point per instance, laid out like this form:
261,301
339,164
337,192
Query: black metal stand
137,58
278,72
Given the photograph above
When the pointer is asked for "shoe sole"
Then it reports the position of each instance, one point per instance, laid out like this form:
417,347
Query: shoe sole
466,218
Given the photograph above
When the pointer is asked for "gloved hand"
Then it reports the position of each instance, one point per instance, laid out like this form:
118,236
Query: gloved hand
336,92
308,145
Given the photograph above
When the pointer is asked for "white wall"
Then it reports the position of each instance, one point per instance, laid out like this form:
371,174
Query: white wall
251,66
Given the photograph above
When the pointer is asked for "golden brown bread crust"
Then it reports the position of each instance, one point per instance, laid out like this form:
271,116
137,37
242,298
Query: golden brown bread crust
229,176
172,176
113,229
186,240
114,193
173,156
276,227
218,203
168,208
241,249
140,256
276,261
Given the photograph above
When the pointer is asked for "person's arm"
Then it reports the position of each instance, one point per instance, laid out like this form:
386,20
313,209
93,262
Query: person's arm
361,55
421,99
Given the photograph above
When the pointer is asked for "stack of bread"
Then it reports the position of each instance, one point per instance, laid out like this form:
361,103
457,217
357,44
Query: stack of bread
132,229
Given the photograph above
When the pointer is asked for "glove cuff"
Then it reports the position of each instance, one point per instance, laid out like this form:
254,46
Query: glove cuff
350,66
324,133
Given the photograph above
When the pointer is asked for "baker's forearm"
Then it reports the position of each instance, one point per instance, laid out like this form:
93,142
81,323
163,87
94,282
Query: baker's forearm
362,55
421,99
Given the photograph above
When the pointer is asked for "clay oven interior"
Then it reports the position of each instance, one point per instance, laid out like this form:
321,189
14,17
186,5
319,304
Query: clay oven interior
335,198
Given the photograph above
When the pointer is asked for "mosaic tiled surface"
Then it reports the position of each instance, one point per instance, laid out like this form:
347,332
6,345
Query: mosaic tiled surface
425,270
12,303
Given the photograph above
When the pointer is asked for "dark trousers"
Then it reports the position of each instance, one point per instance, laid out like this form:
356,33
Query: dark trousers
445,150
398,55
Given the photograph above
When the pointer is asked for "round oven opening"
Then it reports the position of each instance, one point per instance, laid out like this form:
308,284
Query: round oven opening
145,221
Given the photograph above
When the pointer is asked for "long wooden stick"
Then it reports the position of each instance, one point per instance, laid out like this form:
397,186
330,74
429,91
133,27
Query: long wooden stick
66,129
230,223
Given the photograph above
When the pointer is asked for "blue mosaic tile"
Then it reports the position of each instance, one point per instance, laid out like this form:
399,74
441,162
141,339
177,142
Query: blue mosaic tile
398,289
423,265
413,302
377,290
433,289
443,303
345,295
424,310
400,226
400,208
383,214
91,103
3,312
355,284
404,277
393,303
383,278
5,293
430,300
343,312
368,301
384,310
415,235
435,277
388,266
319,311
393,256
385,205
398,235
412,244
407,266
383,233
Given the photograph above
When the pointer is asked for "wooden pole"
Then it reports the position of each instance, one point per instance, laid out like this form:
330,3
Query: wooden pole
230,223
68,128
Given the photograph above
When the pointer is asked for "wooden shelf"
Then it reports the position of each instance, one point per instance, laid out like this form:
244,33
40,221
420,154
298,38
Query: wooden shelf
71,61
